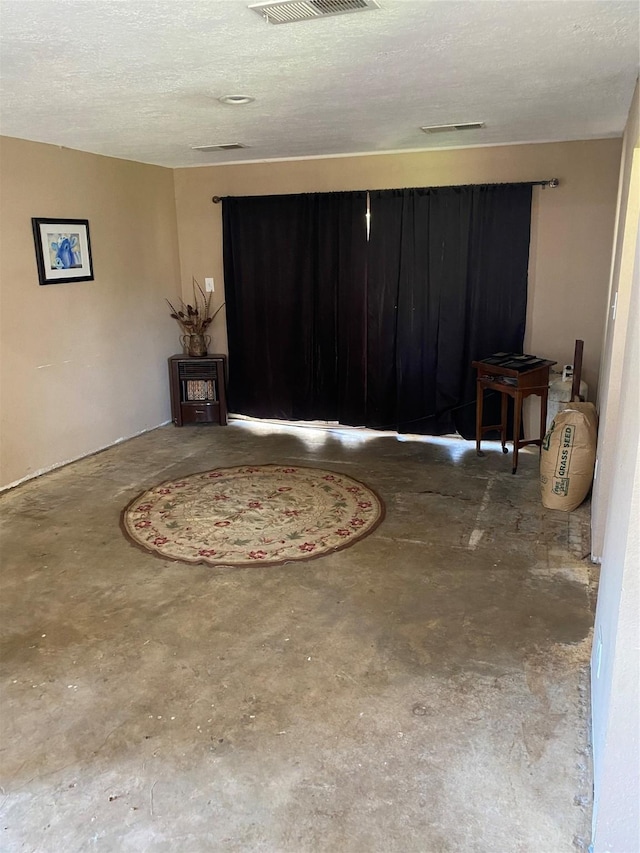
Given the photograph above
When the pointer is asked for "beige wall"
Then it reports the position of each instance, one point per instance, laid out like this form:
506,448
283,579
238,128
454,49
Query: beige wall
616,329
83,364
615,670
572,225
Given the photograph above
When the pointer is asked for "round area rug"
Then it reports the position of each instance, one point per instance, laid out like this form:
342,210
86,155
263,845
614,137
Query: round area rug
242,516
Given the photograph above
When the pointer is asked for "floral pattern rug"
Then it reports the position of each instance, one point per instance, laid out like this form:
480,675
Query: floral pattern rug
249,515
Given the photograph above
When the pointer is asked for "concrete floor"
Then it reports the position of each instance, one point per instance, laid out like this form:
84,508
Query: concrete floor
424,690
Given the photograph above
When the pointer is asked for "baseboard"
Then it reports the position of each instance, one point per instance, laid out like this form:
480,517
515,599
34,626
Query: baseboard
57,465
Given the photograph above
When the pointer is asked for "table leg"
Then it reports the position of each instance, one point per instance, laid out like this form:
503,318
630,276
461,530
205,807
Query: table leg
504,403
543,416
517,420
479,404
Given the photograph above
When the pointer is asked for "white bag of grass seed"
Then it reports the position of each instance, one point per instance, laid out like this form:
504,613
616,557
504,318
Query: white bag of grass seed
568,456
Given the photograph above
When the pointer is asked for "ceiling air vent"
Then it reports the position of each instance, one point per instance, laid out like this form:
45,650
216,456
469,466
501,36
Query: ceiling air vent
224,146
288,11
448,128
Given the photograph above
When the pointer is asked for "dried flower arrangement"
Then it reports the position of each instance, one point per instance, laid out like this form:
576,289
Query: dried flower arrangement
195,319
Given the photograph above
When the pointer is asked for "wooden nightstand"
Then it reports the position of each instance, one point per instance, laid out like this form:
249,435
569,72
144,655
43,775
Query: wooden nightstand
516,376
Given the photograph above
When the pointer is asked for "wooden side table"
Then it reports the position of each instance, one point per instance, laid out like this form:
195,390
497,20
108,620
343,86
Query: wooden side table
516,376
198,389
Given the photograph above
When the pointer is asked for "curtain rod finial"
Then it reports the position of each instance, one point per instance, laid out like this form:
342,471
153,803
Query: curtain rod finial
216,199
554,182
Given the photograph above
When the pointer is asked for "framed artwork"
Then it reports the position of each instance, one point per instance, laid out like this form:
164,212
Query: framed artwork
63,250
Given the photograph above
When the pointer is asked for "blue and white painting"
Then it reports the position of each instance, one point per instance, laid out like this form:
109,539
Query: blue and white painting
64,251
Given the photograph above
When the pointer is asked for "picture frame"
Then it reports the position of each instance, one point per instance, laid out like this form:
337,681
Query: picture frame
63,250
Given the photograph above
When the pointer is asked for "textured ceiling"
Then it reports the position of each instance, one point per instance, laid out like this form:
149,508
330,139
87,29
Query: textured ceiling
140,79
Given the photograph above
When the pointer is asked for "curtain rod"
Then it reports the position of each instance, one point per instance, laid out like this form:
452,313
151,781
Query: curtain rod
551,182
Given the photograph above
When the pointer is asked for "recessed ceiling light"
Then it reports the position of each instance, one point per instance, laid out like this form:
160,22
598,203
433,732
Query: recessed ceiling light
236,100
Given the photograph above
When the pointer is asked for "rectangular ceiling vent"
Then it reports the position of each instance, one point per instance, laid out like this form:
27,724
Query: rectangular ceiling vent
448,128
289,11
224,146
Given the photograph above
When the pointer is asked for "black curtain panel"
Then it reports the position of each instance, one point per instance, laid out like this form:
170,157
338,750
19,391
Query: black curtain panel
496,296
327,325
446,284
286,259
